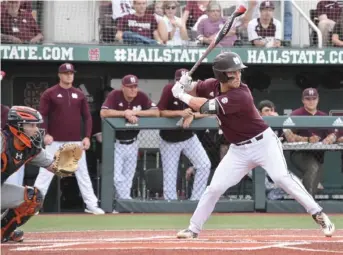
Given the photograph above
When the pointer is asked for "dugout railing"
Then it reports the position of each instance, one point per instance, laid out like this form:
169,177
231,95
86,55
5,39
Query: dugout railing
247,196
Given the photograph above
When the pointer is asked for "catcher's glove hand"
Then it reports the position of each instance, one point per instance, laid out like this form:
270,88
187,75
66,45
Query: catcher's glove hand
66,159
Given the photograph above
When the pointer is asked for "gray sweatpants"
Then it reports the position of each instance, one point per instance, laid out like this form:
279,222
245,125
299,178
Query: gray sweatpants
11,196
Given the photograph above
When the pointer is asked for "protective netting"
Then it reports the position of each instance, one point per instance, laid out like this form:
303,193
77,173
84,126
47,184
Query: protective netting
181,170
166,22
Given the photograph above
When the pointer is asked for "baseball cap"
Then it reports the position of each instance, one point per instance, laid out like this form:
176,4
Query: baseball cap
129,80
179,72
310,93
267,4
66,67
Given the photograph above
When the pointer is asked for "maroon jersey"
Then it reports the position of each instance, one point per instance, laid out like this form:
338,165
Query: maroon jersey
23,26
144,26
64,109
238,118
116,101
4,114
330,8
322,133
194,13
169,102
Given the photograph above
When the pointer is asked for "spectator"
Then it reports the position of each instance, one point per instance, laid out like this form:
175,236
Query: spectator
209,27
266,30
193,11
177,32
63,107
129,103
121,8
158,9
328,14
337,33
139,28
175,142
19,26
252,12
24,5
310,163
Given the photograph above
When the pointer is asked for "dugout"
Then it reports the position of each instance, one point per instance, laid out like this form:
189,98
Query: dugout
282,84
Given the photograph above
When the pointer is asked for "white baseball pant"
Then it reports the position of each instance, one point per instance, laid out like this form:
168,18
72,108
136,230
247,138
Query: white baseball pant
238,161
45,177
125,163
17,178
195,152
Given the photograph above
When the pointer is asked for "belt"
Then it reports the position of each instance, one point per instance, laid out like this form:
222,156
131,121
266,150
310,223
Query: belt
127,141
256,138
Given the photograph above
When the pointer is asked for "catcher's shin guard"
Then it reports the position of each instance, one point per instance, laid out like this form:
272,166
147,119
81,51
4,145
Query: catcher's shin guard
20,215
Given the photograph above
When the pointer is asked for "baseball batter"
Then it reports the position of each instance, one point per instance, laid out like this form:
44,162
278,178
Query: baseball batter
21,143
173,142
131,104
253,143
64,107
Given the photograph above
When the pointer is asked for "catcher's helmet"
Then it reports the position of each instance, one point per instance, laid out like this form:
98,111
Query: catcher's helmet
19,115
226,62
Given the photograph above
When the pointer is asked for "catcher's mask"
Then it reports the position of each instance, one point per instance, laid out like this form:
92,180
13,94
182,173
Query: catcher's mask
226,62
20,115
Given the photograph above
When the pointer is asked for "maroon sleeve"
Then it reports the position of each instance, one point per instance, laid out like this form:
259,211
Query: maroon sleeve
189,6
205,87
121,25
232,102
109,102
164,100
4,115
26,5
146,102
87,118
33,24
44,108
153,23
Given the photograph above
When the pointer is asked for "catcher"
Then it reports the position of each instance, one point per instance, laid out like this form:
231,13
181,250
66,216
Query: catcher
21,143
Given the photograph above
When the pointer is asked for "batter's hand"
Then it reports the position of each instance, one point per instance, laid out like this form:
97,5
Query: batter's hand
86,143
187,121
48,139
178,89
186,81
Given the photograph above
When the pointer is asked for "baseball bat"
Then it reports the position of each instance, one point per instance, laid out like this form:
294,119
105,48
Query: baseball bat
220,35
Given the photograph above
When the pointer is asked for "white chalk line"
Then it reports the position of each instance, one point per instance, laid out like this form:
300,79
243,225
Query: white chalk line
40,248
172,229
309,249
45,249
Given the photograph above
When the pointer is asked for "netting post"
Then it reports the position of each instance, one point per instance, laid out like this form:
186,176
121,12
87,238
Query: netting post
107,170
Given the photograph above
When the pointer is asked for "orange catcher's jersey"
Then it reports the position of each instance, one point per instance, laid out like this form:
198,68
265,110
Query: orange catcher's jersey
13,155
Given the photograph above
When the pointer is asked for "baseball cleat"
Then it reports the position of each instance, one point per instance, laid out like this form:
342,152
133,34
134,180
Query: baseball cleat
16,236
324,222
186,234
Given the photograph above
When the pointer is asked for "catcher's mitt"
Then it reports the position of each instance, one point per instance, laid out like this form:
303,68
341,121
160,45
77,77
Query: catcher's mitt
66,159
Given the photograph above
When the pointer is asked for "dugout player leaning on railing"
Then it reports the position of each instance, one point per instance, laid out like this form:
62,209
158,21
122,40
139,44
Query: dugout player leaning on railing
310,163
63,107
128,103
175,142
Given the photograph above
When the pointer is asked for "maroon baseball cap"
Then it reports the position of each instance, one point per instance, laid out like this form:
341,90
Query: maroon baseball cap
267,4
179,72
310,93
129,80
66,67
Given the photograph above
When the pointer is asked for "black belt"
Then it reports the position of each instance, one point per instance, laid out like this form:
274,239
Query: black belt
127,141
257,138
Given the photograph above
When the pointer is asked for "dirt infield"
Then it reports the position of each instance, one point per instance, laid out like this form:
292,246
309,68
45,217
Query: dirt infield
151,242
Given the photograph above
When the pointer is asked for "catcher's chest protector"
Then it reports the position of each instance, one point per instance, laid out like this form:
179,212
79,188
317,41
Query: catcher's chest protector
12,159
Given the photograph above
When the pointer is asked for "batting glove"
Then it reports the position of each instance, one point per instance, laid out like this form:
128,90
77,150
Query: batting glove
178,89
186,81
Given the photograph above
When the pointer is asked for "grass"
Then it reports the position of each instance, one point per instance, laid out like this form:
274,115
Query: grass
60,222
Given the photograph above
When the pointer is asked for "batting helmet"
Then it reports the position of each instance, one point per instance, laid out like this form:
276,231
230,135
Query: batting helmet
226,62
19,115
